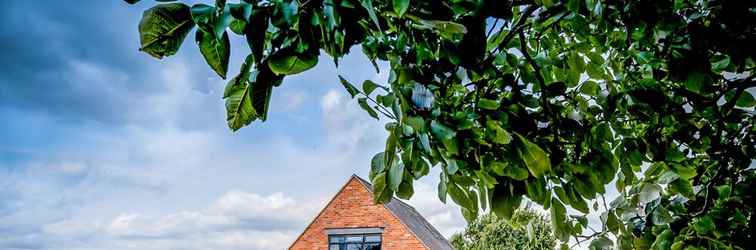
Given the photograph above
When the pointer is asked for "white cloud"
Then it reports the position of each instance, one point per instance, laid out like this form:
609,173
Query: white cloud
330,101
234,211
236,220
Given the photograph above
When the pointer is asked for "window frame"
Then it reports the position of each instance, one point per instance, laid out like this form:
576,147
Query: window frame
344,243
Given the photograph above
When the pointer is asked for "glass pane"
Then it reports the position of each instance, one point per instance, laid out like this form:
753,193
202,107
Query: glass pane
334,247
337,239
373,246
354,247
373,238
354,238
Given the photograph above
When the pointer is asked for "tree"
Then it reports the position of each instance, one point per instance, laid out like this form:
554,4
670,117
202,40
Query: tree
551,101
526,230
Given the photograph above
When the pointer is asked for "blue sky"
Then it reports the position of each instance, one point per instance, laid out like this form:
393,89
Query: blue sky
104,147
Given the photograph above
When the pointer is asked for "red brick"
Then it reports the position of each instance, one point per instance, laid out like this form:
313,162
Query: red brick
353,207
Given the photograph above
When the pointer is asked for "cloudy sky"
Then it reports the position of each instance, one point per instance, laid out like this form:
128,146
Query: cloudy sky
104,147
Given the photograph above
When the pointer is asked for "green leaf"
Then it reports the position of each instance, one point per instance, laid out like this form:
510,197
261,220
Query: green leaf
558,219
576,201
377,165
446,29
163,29
497,134
368,5
459,196
682,186
663,241
445,135
503,202
601,243
667,177
210,20
351,89
238,27
442,189
516,173
381,193
649,192
241,11
488,104
684,172
589,88
401,6
406,189
704,225
395,174
745,100
534,157
365,106
216,52
285,14
661,216
239,110
720,63
255,33
289,63
262,82
368,86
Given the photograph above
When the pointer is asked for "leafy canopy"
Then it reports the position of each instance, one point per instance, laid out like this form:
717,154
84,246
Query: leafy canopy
550,101
526,230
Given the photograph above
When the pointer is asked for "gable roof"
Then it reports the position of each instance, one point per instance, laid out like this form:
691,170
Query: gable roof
407,215
423,230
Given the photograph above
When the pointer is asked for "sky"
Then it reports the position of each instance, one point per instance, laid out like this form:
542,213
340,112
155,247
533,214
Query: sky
105,147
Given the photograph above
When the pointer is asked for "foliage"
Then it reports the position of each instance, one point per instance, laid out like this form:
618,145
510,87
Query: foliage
551,101
526,230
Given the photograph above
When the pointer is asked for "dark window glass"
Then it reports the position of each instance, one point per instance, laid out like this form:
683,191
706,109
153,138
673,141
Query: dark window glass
354,238
372,238
337,239
373,246
354,242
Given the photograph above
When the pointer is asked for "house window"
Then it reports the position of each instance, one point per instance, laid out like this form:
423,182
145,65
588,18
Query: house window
354,242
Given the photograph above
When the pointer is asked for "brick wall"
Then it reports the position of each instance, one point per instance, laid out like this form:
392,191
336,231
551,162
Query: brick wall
353,207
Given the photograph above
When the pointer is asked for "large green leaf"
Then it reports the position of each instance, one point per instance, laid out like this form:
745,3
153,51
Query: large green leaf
368,5
503,202
377,165
351,89
381,192
216,52
400,6
442,187
406,189
262,88
289,63
211,20
395,174
558,219
459,195
534,157
163,29
255,33
239,110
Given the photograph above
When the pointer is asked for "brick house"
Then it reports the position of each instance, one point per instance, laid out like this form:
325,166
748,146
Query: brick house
352,221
